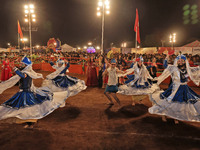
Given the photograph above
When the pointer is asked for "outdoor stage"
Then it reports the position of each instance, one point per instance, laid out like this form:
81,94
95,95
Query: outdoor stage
86,122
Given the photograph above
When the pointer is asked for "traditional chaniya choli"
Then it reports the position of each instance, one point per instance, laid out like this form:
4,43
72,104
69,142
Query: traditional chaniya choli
179,101
140,84
30,102
59,81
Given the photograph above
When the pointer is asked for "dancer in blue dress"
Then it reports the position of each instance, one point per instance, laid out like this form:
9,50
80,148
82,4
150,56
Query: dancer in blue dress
59,81
179,101
30,102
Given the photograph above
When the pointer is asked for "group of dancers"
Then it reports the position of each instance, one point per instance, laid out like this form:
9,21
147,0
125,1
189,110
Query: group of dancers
31,103
179,101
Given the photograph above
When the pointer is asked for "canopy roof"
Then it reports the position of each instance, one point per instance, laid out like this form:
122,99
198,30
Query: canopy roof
66,46
193,44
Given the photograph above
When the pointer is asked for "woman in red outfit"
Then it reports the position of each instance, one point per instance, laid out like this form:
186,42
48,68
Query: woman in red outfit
6,72
92,79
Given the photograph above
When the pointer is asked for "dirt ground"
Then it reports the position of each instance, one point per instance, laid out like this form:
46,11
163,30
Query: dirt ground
86,122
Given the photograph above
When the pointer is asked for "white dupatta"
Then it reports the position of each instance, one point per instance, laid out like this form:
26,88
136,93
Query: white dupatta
13,80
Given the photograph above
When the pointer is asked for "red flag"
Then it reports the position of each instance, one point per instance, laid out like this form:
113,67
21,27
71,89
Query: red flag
136,27
20,32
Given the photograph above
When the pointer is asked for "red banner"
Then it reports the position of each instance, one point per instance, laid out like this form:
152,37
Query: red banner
168,49
136,27
20,32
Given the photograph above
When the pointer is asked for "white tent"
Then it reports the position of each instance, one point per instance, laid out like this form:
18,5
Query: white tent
4,50
194,46
66,48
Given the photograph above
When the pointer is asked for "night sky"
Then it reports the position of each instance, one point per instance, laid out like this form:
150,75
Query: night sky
75,22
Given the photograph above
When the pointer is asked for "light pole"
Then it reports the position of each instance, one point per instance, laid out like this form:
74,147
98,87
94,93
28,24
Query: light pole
29,17
103,5
124,44
172,39
90,43
162,41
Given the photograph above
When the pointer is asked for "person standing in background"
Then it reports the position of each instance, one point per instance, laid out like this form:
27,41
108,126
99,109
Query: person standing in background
6,72
92,79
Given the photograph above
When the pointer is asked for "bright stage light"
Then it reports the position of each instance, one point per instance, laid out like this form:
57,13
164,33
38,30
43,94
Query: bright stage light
107,7
24,39
31,6
98,14
25,6
107,3
31,11
26,11
90,43
100,3
107,12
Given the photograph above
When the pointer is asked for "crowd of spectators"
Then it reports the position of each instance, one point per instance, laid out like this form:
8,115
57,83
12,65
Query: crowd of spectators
79,57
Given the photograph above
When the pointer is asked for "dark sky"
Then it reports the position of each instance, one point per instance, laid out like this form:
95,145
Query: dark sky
75,22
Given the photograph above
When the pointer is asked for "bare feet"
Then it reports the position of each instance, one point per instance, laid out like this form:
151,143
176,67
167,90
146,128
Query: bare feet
164,119
28,127
133,104
110,103
176,121
140,102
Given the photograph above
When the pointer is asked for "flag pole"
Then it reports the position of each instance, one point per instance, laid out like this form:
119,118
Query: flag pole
18,41
136,42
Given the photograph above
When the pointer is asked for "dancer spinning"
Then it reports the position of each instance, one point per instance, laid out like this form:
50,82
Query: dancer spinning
179,101
59,81
141,84
111,87
30,102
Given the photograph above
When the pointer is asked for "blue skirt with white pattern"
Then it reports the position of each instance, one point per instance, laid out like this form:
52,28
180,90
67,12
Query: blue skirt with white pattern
25,99
184,94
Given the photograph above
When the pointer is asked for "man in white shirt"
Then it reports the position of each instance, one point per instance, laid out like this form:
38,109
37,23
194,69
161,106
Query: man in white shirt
111,87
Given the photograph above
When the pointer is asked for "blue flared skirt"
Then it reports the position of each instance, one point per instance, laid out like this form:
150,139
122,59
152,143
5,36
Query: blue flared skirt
25,99
184,94
130,78
64,81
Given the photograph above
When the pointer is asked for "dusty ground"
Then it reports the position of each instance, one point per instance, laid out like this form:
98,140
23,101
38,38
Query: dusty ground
86,122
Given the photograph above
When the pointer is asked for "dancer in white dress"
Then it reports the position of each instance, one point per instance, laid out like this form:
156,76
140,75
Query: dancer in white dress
59,81
141,84
30,102
179,101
